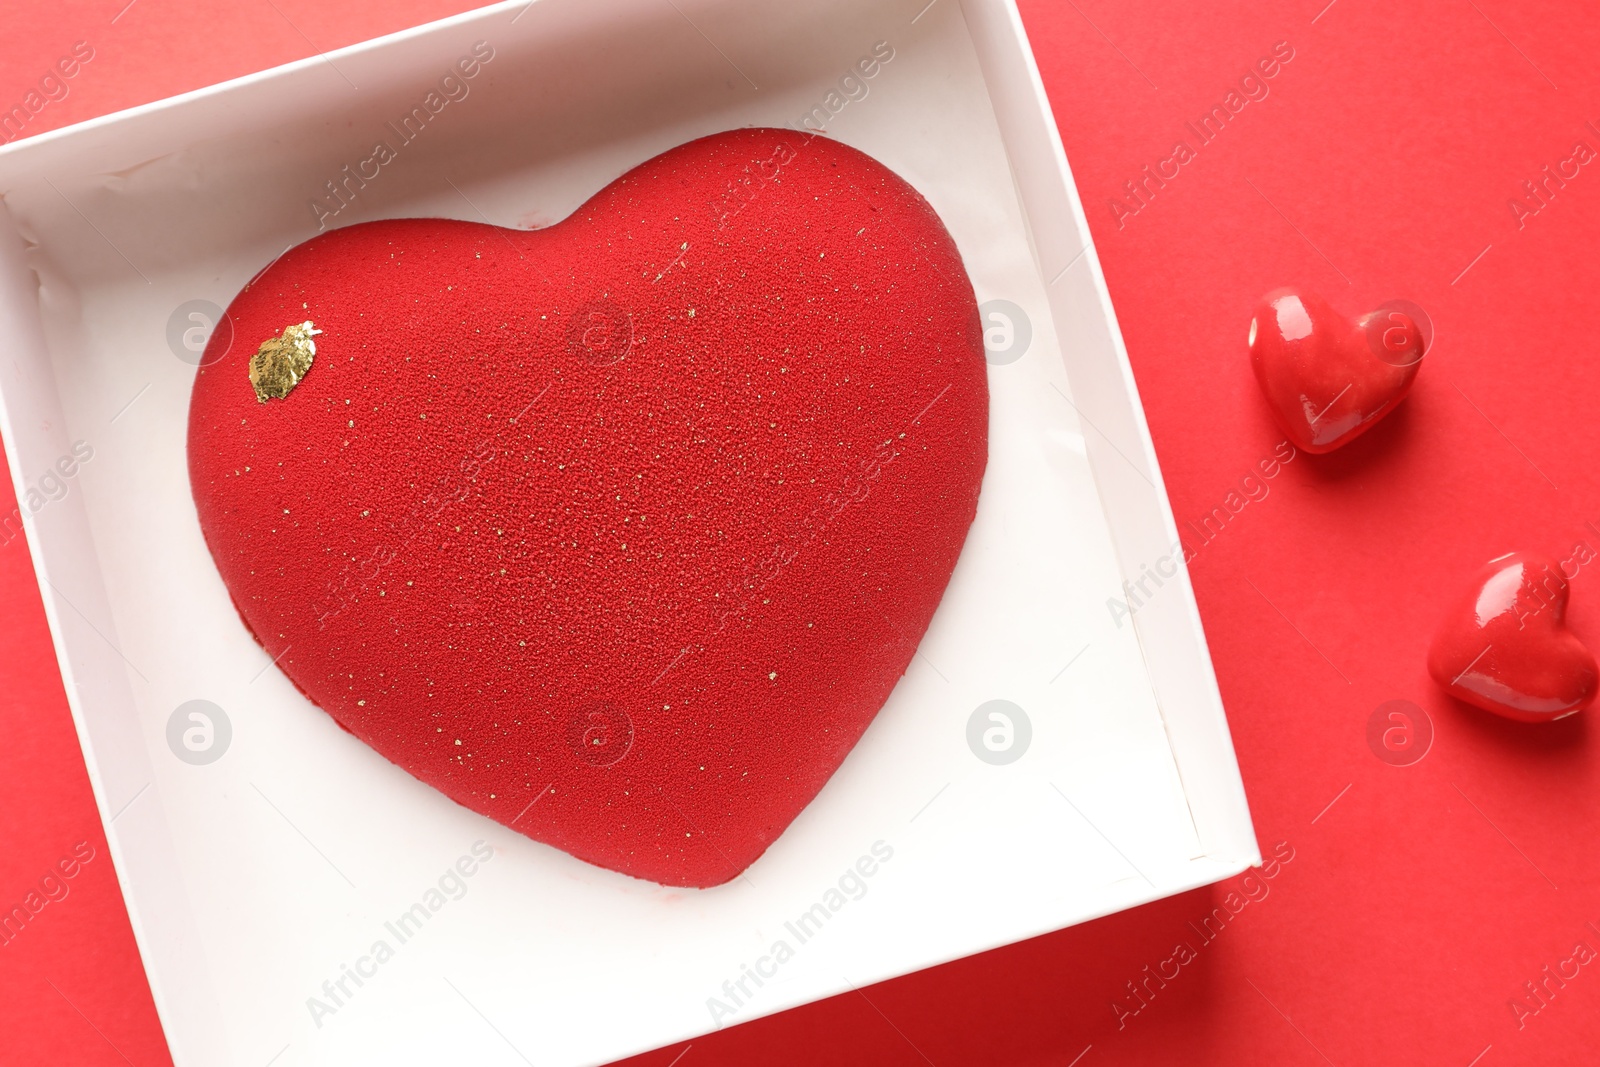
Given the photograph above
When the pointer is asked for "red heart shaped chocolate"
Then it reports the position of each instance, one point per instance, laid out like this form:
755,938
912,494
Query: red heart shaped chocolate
1326,378
618,532
1505,646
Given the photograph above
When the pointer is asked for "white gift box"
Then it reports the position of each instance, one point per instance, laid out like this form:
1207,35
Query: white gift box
299,900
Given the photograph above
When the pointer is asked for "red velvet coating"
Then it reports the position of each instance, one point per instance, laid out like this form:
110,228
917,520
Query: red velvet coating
619,532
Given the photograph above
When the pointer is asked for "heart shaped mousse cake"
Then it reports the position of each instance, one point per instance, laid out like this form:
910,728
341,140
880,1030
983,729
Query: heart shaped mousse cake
618,532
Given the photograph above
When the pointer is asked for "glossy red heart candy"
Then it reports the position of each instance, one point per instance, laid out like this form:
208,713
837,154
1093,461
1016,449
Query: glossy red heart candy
1506,648
1328,379
619,532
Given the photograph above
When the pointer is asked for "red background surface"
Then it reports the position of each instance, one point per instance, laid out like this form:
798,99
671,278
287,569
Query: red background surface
1420,898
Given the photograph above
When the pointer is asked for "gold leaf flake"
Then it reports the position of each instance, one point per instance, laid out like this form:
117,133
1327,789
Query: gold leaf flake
282,361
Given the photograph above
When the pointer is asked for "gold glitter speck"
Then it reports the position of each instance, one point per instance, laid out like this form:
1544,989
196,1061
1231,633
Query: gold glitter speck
282,361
